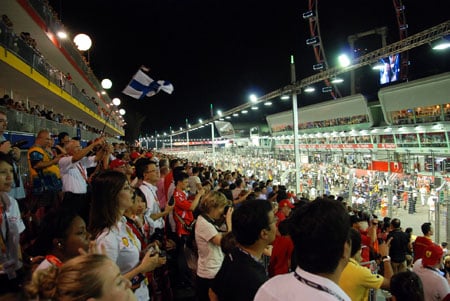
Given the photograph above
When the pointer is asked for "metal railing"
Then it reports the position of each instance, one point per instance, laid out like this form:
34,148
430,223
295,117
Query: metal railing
36,61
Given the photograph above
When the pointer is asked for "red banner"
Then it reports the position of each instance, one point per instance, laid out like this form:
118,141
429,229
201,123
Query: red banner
383,166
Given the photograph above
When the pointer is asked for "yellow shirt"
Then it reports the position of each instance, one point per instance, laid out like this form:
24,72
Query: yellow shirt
356,281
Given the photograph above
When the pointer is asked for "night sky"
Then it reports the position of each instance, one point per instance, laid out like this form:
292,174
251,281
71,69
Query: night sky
222,51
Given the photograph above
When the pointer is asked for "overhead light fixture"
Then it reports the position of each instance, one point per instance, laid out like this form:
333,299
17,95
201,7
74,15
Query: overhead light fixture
268,103
344,60
62,34
442,43
337,80
244,112
235,114
310,89
253,98
254,108
378,67
284,97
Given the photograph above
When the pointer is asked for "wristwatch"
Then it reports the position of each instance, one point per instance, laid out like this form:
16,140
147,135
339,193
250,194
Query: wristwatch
386,258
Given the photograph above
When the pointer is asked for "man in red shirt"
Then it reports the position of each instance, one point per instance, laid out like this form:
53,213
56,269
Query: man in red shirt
422,242
183,216
283,247
284,209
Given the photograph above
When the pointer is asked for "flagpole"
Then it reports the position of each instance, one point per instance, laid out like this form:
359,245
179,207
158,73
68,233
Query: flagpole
212,136
187,134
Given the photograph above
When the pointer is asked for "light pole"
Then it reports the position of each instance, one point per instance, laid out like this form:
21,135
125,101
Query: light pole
187,134
295,126
212,136
171,133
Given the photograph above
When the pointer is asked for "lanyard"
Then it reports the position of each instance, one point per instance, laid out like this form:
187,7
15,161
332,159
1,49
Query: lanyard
317,286
150,187
82,171
435,270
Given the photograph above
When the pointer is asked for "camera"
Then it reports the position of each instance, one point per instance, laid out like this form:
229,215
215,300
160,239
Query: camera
225,210
19,143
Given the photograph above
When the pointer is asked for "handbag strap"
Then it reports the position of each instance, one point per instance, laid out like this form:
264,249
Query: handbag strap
179,218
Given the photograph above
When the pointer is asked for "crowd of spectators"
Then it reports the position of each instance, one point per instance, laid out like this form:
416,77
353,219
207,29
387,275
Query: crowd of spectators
47,113
324,123
242,219
65,81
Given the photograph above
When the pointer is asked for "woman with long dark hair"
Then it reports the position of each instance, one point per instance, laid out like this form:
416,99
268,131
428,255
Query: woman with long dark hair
112,195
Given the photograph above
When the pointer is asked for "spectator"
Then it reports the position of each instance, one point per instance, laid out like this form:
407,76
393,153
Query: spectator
406,286
86,277
284,210
435,286
17,189
208,237
44,170
62,234
399,246
184,217
242,273
63,139
320,232
74,175
112,196
422,242
148,173
11,225
283,248
357,280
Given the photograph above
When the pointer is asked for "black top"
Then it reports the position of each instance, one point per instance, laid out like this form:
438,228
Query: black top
399,245
239,278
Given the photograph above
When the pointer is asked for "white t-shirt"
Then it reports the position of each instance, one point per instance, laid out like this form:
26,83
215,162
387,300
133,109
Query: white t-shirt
210,256
149,191
14,220
193,181
71,173
287,287
123,247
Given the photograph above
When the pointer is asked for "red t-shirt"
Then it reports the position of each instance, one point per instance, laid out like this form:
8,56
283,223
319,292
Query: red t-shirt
183,209
366,242
281,217
281,255
168,179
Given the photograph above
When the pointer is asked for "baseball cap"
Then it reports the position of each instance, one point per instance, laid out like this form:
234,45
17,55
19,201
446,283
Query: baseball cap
134,155
433,254
284,203
116,163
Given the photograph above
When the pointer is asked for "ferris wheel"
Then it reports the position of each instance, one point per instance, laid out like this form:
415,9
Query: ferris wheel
316,42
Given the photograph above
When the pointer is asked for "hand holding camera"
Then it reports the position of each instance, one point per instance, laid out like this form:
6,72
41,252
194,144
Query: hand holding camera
5,147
